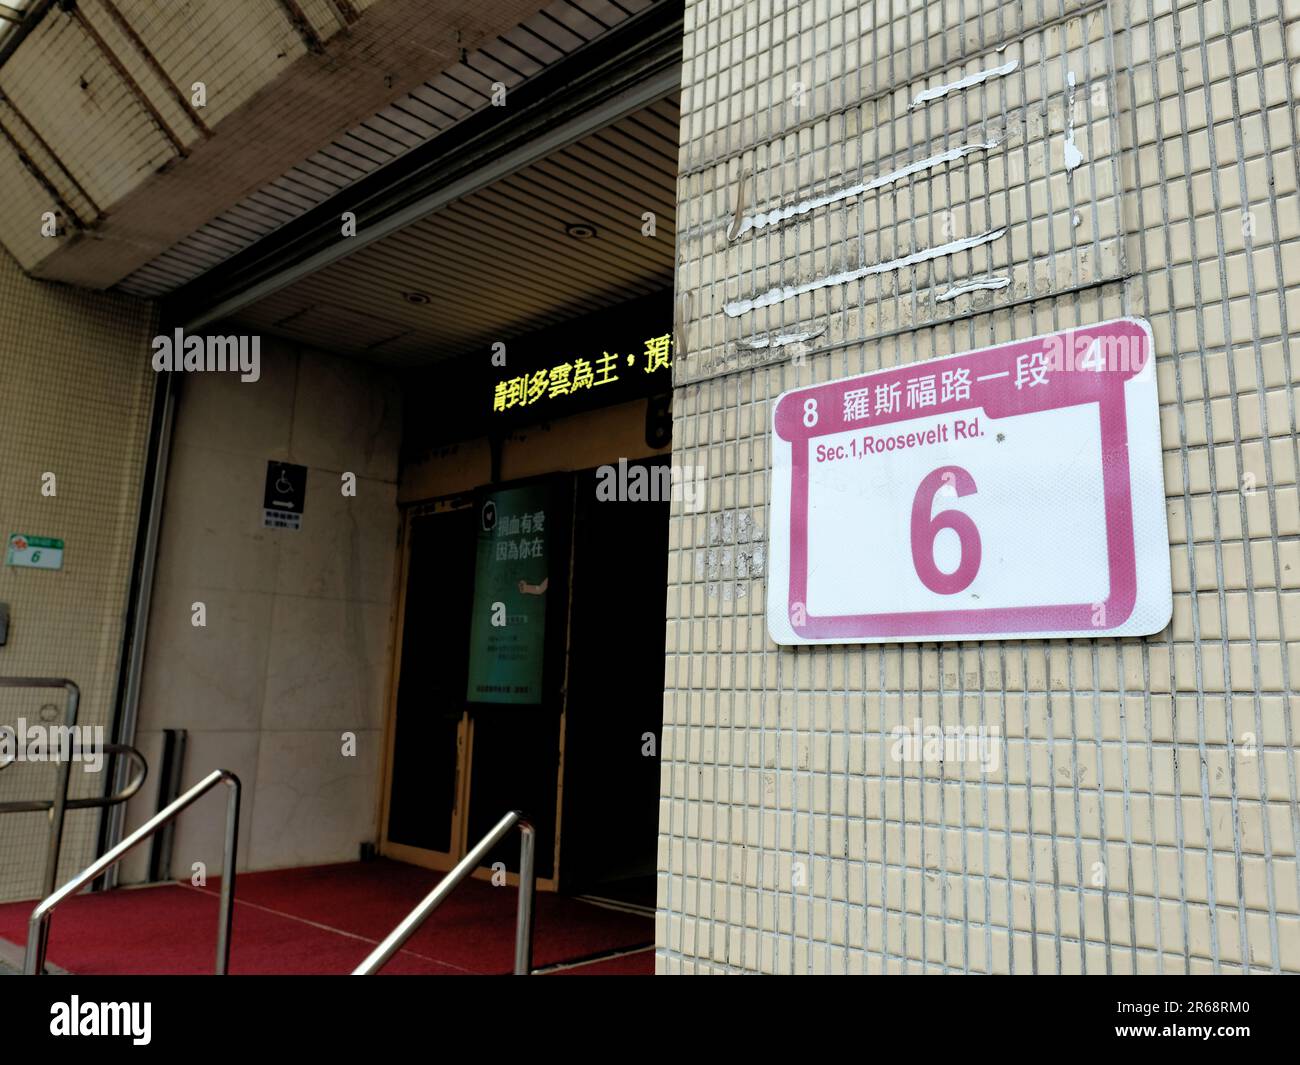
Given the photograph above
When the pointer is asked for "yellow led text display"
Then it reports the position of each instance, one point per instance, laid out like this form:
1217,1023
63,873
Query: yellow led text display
568,378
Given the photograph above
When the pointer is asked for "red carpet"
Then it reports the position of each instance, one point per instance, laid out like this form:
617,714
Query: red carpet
326,919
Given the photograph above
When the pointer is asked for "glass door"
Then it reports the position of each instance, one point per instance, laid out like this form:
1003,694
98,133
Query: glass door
426,782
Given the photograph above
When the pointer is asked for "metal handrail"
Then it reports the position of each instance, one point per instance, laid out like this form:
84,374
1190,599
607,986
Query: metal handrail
60,804
24,806
378,957
38,925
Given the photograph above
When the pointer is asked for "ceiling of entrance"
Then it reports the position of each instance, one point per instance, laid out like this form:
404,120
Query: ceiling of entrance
556,240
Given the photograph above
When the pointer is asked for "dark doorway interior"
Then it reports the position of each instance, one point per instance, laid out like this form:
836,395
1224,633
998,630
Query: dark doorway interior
431,688
613,710
516,757
615,704
515,749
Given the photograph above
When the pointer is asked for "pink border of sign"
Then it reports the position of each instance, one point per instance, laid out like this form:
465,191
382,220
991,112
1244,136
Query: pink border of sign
1065,386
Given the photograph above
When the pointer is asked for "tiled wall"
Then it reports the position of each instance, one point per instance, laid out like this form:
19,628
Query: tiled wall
75,397
295,651
1144,815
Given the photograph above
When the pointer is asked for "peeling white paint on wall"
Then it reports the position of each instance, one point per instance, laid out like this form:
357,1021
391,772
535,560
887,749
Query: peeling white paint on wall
787,292
780,340
781,214
1073,157
974,285
736,553
967,82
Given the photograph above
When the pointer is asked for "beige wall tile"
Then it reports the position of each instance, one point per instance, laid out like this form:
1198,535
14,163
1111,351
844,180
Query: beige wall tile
1148,810
76,393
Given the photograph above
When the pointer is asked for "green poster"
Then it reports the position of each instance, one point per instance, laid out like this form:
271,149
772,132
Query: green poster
507,641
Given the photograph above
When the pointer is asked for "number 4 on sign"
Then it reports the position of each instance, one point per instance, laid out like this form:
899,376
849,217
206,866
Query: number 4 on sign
1092,359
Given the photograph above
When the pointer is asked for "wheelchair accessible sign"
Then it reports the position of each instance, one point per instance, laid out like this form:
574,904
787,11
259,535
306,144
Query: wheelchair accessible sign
1010,492
284,495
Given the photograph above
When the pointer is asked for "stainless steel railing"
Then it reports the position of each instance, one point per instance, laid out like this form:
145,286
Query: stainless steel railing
38,925
59,806
24,806
524,914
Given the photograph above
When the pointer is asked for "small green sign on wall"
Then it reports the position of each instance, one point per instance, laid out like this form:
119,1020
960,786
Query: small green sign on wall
511,578
34,552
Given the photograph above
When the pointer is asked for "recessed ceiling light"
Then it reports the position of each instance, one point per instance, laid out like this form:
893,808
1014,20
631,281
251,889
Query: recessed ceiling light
417,297
580,230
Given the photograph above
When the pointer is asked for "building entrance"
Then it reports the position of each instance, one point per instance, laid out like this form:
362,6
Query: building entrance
579,755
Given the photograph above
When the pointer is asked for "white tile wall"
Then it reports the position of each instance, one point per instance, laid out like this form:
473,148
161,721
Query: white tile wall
1145,815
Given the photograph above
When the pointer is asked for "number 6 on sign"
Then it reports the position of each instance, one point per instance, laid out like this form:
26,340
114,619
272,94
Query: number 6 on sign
1015,491
925,529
